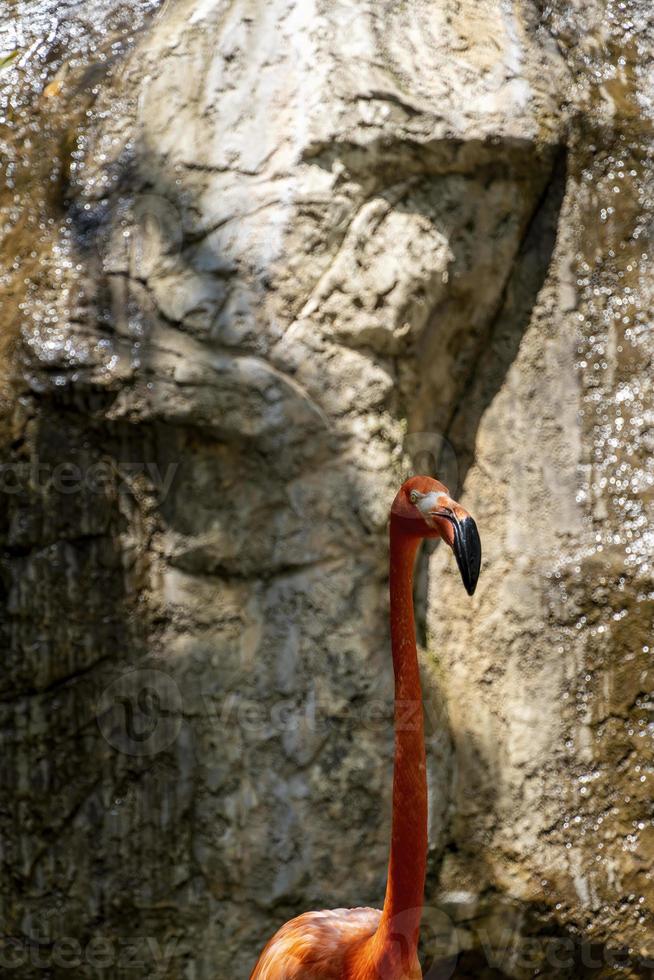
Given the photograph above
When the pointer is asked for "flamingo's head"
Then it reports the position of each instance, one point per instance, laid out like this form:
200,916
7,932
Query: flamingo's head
423,508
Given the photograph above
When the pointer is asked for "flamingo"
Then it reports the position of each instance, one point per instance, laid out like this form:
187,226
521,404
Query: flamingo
365,943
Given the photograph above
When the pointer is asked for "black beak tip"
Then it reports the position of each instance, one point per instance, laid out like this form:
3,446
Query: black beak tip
467,550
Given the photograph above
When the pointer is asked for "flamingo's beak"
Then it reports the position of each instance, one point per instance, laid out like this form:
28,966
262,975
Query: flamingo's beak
457,528
467,550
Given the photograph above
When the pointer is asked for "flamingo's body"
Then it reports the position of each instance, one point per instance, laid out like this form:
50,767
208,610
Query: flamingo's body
363,943
330,945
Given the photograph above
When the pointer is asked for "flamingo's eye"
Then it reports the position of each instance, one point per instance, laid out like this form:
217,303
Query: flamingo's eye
414,496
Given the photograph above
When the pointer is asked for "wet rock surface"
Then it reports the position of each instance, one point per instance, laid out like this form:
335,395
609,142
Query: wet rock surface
262,260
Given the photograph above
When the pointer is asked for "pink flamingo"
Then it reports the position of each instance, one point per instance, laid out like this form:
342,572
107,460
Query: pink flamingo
364,943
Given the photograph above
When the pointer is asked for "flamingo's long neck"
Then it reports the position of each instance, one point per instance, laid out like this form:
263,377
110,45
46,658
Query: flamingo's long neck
396,940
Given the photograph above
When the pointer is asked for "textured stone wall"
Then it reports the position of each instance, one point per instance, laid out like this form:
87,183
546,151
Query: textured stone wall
262,260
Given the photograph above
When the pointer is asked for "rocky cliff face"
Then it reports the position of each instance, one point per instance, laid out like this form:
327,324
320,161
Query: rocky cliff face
262,260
